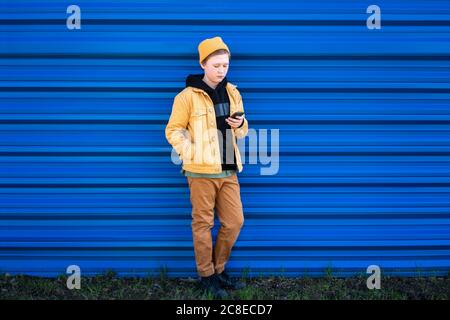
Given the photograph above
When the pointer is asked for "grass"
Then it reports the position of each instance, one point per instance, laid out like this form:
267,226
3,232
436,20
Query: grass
110,287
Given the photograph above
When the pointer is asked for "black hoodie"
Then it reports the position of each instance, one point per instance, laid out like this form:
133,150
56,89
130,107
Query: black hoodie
221,101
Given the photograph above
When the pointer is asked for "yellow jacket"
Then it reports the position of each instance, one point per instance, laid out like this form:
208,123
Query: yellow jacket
192,131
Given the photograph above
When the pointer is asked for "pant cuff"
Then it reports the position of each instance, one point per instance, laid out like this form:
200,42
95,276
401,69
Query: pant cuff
206,273
219,271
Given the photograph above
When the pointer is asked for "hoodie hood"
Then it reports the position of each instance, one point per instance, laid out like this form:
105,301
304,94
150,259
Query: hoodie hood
218,95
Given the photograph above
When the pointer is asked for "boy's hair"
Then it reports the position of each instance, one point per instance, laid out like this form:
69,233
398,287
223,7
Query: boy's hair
216,53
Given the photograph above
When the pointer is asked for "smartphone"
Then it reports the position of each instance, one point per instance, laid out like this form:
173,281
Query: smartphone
237,114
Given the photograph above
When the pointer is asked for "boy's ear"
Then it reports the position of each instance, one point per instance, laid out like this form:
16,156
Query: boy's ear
201,65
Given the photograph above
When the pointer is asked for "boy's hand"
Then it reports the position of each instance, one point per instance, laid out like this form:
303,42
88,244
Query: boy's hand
234,123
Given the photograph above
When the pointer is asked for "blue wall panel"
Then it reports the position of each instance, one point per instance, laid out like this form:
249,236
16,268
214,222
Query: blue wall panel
364,119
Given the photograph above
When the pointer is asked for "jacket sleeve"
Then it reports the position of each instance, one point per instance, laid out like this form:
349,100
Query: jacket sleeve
241,132
176,130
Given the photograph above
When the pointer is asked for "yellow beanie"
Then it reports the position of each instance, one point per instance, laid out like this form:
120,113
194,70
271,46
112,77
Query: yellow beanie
208,46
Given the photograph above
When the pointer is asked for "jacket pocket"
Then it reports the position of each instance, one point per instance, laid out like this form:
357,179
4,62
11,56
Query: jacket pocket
199,122
199,112
188,152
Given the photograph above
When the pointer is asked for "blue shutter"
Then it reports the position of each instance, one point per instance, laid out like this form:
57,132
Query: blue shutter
86,175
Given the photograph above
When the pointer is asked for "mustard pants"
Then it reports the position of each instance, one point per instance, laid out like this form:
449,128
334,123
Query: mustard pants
205,195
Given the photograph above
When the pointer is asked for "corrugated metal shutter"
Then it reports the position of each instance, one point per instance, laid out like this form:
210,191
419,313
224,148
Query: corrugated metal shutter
86,176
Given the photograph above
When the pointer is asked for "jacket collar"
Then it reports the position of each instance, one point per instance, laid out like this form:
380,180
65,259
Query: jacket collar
229,86
232,93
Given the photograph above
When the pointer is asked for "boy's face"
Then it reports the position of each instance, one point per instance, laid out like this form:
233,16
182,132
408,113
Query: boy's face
216,67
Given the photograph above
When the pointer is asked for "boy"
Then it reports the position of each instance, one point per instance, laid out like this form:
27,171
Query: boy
204,135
